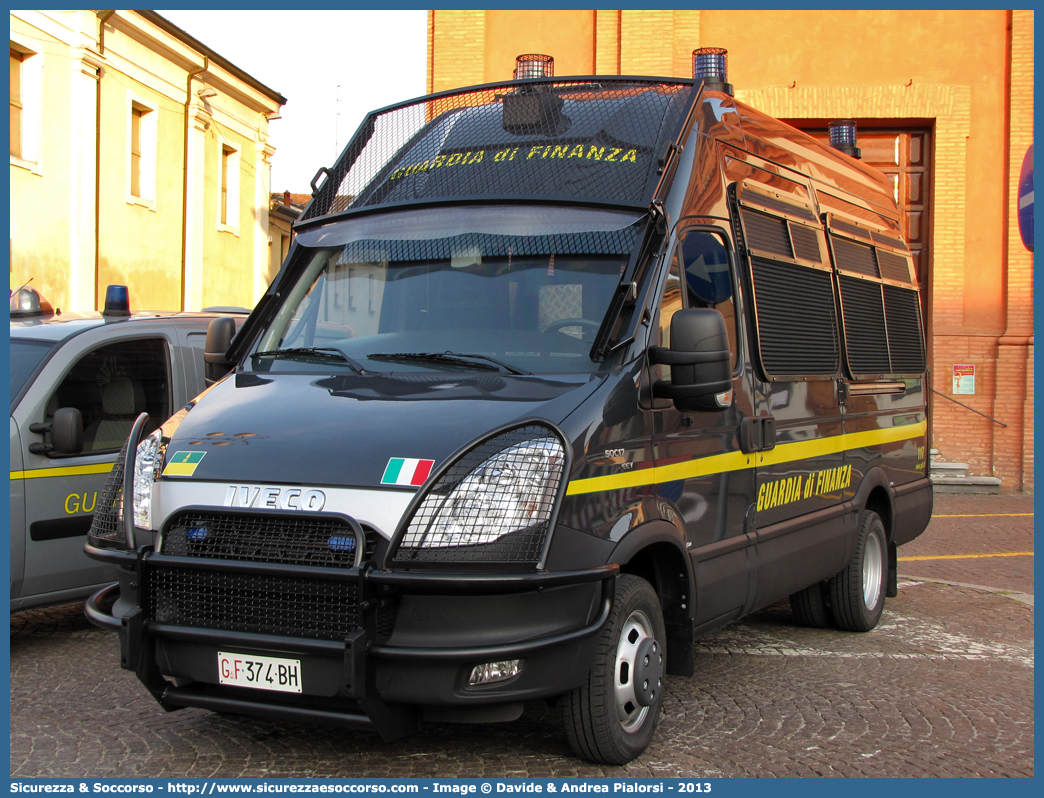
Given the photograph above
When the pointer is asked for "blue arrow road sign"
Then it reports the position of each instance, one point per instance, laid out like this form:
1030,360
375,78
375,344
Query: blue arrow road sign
1026,200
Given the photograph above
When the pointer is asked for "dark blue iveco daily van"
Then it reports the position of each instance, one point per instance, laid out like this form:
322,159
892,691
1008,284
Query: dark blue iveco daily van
559,375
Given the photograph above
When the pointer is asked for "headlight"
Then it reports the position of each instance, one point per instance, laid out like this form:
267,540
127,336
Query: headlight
146,462
493,504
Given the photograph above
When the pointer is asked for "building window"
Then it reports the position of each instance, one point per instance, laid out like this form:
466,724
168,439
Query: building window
16,103
135,151
26,93
226,156
142,119
228,188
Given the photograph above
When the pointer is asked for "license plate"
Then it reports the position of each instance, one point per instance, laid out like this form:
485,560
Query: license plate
261,673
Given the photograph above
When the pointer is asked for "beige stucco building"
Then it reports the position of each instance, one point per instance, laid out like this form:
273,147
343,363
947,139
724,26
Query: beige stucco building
107,108
284,210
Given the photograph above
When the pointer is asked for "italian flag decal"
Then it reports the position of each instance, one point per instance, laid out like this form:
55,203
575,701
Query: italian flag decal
406,471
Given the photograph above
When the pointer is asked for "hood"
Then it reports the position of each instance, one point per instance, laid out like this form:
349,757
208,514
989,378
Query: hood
343,430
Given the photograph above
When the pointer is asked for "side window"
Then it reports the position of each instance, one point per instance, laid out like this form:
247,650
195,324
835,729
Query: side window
671,302
111,385
880,306
708,279
195,366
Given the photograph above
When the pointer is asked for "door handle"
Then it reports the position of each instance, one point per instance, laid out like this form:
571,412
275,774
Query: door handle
757,434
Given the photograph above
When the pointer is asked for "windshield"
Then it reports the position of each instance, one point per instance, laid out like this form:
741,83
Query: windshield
515,289
26,357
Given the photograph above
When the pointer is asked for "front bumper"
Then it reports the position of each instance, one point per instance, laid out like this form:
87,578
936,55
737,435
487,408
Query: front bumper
416,639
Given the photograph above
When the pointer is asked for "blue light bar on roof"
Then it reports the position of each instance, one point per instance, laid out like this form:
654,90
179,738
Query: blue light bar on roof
117,301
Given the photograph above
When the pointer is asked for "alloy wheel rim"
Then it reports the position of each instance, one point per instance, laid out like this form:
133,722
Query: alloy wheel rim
636,629
872,568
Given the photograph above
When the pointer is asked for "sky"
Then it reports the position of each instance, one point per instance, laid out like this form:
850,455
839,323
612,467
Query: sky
333,67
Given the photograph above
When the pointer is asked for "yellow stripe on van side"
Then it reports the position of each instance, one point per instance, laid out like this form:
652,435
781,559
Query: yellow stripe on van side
737,461
69,471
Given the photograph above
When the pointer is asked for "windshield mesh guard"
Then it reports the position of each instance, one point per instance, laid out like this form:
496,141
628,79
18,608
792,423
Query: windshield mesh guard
614,242
595,140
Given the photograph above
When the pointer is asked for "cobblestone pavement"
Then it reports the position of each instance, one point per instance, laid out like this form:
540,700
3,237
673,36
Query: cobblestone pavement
943,687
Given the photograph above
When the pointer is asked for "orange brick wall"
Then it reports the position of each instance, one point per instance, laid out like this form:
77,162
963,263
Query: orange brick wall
969,73
607,42
456,49
1013,394
958,433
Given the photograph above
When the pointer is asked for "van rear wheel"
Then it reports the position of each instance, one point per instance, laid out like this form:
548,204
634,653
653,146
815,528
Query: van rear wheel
811,606
612,717
857,594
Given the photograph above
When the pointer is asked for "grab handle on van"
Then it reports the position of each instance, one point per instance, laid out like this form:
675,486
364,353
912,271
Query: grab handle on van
128,478
757,434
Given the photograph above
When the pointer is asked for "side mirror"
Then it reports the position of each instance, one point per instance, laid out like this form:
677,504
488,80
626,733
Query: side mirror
219,339
700,361
66,429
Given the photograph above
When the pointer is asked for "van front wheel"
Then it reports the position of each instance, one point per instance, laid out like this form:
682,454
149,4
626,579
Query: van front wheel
857,594
612,717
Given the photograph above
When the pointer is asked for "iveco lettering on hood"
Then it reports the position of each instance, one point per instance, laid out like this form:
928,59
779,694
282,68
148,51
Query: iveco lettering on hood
559,375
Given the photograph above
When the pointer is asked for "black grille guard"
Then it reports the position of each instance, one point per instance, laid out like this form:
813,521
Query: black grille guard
361,706
368,580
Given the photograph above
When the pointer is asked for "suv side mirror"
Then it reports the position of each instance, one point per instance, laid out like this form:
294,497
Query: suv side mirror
700,361
66,429
219,339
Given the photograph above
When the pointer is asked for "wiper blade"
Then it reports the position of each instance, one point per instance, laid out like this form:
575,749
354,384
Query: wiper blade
323,352
454,358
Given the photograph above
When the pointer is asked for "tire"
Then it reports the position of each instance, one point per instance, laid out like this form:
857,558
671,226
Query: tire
811,606
857,594
612,717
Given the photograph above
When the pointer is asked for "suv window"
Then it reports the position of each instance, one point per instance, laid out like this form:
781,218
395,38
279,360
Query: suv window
111,385
26,357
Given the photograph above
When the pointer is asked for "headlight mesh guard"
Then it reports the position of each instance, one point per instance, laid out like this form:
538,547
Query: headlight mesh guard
524,545
107,525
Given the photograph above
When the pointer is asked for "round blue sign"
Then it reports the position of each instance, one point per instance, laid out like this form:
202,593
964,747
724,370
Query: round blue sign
1026,200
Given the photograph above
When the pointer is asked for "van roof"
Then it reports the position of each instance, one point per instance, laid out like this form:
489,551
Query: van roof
787,146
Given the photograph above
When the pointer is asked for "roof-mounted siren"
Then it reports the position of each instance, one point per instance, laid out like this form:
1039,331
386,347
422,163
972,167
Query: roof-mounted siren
26,303
117,302
843,137
710,66
534,108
